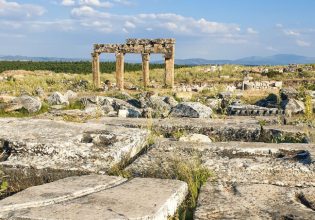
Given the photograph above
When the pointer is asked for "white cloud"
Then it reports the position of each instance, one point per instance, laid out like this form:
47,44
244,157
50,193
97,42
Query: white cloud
279,25
291,33
83,11
302,43
174,23
123,2
68,2
271,48
129,24
251,31
19,11
96,3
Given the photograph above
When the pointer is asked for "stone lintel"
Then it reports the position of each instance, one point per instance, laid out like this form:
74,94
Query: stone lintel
135,41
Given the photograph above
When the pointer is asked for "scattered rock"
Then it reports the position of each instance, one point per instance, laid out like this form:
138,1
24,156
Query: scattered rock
6,98
70,95
56,98
31,104
191,110
159,106
128,113
40,92
294,106
171,101
288,93
214,104
198,138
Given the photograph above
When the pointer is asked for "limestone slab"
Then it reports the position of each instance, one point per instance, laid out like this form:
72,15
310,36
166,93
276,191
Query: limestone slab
231,129
97,197
255,201
279,164
31,147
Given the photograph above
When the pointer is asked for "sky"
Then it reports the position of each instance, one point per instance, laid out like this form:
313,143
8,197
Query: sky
210,29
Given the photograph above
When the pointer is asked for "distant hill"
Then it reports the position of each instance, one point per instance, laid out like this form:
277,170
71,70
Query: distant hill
196,62
39,59
279,59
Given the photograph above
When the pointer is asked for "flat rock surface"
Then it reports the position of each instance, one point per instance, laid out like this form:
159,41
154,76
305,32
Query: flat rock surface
52,144
251,180
255,201
32,148
248,129
279,164
97,197
231,129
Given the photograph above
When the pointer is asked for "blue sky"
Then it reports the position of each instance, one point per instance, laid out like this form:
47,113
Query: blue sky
211,29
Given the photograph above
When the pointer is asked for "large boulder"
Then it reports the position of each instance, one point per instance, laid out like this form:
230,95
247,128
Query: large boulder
119,104
56,98
293,106
191,110
288,93
31,104
101,104
159,106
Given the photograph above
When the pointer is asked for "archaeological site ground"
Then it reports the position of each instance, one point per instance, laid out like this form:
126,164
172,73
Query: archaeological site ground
156,141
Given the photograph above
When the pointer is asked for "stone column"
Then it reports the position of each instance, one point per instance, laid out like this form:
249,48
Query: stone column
96,70
120,64
170,69
146,69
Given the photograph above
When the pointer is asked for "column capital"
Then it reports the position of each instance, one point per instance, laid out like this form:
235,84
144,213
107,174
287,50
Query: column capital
94,54
145,56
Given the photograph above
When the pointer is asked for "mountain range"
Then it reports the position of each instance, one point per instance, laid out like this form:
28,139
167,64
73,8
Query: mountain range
279,59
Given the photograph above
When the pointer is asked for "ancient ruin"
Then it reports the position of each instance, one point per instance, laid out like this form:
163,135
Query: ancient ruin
143,46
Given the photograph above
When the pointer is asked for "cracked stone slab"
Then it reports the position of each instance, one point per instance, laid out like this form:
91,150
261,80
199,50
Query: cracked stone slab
231,129
254,201
248,129
251,180
97,197
279,164
56,149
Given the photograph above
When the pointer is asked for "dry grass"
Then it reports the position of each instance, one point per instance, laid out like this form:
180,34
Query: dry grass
253,96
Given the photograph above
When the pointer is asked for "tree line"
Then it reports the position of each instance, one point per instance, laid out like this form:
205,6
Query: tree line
80,67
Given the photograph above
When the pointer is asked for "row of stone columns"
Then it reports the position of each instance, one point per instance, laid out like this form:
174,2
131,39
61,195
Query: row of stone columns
120,61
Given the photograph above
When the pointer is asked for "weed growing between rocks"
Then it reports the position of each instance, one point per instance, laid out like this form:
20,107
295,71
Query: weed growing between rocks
308,108
189,170
4,185
297,138
195,175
